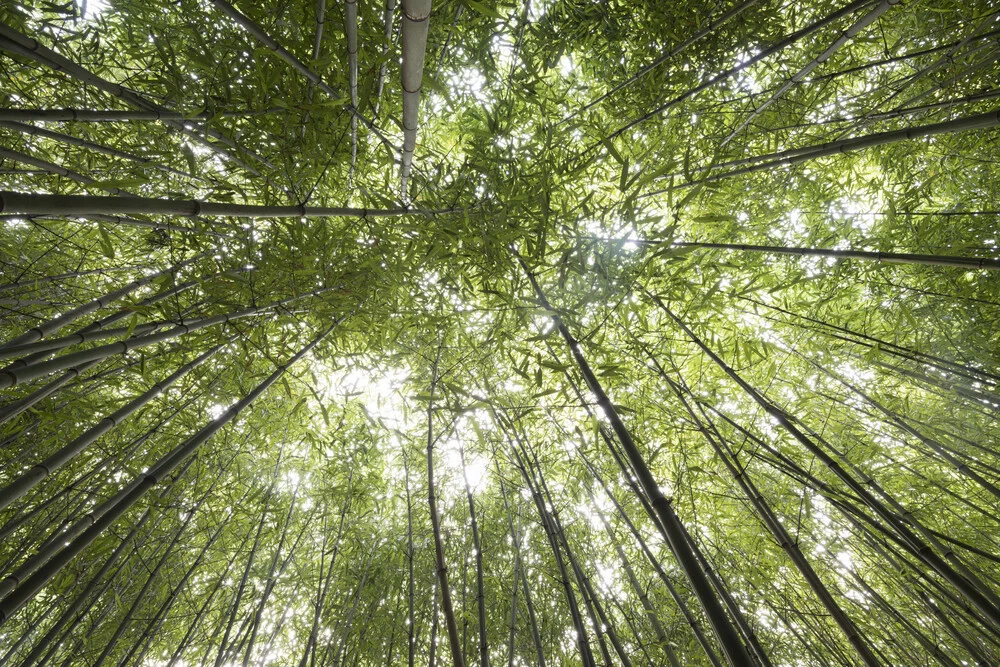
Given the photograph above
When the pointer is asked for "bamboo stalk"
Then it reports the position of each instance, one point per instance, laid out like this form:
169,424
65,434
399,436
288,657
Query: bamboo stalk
729,639
980,598
351,32
16,590
387,17
984,263
90,145
457,655
15,374
14,41
846,36
794,156
82,205
12,115
29,479
416,20
49,327
732,71
711,26
484,649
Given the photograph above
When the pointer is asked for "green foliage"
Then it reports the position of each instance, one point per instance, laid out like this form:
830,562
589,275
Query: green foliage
290,536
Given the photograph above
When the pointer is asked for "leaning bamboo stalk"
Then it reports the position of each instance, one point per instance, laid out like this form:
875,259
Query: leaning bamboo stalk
15,374
985,263
25,46
90,145
582,639
40,471
729,638
979,597
484,649
457,656
794,156
17,284
12,598
73,205
416,20
736,69
770,519
122,624
261,35
710,27
50,641
946,59
654,561
114,116
846,36
51,326
57,169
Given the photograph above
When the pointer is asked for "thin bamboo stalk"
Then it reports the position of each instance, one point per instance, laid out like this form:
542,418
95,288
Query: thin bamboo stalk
16,374
387,17
711,26
980,598
49,327
14,41
90,145
351,32
794,156
457,655
484,648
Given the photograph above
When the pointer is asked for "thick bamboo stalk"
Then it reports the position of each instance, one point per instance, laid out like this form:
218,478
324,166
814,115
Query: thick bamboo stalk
14,597
729,639
40,471
82,205
351,32
846,36
985,263
416,20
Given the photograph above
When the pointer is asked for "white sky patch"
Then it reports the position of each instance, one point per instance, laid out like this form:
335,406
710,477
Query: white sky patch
93,9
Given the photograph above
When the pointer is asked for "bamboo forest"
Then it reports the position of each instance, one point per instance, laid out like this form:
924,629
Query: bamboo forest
496,333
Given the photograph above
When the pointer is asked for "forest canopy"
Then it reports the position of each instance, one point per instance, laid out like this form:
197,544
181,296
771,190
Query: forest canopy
556,332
